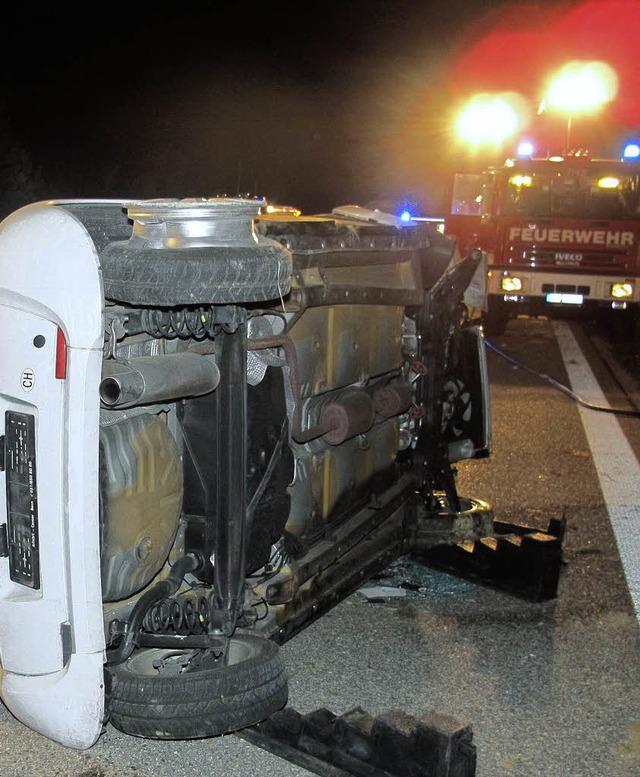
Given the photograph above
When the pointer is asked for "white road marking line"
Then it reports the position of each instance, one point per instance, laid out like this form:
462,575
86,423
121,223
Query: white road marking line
616,464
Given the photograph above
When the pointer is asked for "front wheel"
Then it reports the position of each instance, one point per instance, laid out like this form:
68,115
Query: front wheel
162,693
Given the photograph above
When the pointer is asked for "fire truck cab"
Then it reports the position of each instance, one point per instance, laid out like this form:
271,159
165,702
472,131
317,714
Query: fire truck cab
560,232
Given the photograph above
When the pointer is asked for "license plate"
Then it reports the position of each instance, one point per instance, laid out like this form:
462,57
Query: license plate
22,499
565,299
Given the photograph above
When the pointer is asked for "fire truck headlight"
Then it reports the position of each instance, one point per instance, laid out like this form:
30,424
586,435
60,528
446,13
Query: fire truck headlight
622,290
510,284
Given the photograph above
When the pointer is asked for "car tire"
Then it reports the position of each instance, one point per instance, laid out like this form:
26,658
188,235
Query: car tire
200,703
200,276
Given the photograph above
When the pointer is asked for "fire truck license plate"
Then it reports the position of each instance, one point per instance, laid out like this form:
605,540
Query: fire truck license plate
564,299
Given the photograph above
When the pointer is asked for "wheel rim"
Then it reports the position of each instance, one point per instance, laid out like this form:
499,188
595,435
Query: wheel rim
153,662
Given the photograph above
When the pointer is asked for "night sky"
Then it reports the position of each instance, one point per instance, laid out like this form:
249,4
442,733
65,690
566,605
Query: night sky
307,104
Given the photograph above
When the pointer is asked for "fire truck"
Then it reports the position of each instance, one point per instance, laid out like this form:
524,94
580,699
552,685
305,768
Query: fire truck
560,233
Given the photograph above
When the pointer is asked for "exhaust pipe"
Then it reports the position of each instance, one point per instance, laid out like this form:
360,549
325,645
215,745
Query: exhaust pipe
150,379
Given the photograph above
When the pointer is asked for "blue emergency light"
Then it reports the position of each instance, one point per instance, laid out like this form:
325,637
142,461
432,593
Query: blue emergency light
631,150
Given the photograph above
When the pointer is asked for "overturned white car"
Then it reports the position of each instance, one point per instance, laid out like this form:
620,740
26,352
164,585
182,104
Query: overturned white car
217,425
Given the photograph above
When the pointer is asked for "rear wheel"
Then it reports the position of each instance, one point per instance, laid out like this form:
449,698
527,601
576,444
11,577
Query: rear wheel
162,693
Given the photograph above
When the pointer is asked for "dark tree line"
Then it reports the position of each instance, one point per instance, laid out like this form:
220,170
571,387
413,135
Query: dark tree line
20,180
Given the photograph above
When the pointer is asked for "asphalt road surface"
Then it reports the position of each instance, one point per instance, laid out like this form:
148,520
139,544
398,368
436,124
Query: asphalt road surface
550,689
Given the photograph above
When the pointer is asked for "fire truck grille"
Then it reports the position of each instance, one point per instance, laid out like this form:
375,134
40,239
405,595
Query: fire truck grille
551,257
565,288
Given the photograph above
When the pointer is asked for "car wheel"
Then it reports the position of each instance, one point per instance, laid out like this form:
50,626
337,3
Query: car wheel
160,693
204,277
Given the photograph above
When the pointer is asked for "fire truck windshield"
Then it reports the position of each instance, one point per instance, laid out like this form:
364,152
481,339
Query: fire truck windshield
593,190
541,188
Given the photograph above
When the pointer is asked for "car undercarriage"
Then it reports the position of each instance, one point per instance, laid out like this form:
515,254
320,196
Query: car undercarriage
236,419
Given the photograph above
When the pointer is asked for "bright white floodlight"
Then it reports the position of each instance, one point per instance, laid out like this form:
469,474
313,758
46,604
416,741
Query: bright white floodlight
490,119
581,87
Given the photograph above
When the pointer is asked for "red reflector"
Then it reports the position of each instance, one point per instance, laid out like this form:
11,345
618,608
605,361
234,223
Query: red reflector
61,356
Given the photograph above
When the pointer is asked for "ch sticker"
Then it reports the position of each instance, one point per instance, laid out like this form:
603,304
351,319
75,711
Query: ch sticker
27,379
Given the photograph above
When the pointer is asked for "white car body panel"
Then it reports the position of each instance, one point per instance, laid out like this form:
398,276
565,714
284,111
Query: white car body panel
51,632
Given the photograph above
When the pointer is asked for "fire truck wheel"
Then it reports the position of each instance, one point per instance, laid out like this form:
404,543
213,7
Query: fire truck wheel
161,693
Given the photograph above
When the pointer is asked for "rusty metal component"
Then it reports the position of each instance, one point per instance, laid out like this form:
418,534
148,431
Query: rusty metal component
351,415
392,398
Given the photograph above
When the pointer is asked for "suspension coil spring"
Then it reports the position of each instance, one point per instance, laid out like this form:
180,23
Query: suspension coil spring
183,323
178,615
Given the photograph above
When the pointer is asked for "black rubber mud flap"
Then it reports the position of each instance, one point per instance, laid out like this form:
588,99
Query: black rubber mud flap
518,559
393,744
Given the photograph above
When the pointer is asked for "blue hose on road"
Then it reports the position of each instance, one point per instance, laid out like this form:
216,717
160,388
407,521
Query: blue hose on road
561,387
